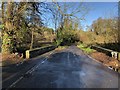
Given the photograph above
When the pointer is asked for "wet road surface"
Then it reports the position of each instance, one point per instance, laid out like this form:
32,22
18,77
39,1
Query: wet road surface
69,68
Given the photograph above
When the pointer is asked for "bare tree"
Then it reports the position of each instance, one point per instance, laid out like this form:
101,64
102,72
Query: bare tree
67,10
69,15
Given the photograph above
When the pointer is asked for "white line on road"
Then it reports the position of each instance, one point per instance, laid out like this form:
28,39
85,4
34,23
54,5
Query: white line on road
99,62
68,59
29,71
77,59
13,84
74,54
36,66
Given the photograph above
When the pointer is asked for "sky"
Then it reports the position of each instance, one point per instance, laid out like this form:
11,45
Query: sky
100,9
62,0
97,9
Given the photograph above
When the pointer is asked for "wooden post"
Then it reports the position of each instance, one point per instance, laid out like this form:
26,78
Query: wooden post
27,54
119,56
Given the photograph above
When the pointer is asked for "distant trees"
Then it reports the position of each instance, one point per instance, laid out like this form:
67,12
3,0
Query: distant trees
68,20
107,28
23,25
34,19
103,31
49,34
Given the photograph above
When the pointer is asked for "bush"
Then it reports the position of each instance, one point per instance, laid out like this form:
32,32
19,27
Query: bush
67,37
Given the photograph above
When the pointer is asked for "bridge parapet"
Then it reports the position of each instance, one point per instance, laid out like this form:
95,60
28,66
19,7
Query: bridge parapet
38,51
109,52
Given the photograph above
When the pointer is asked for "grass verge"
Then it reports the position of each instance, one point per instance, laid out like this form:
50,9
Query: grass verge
85,48
61,47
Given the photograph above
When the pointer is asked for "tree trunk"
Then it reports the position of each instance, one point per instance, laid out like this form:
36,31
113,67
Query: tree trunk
31,46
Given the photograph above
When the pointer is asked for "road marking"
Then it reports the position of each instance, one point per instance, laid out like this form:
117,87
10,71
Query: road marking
13,84
76,60
36,66
74,55
42,61
94,59
29,71
68,59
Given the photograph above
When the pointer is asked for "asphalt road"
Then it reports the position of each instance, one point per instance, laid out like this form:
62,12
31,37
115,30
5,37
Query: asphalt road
69,68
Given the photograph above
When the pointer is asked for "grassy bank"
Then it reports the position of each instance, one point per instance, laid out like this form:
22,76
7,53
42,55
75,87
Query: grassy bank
85,48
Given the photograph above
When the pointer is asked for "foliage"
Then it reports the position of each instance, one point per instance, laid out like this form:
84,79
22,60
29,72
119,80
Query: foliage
67,37
106,28
1,26
20,19
24,26
102,31
86,49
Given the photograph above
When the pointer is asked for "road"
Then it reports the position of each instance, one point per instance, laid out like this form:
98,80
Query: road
69,68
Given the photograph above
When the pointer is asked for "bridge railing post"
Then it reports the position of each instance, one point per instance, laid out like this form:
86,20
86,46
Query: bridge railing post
27,54
119,56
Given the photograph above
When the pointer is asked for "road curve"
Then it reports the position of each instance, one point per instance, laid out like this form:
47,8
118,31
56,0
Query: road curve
69,68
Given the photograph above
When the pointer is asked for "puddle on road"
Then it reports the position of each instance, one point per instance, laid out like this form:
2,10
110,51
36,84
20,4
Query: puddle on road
81,73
